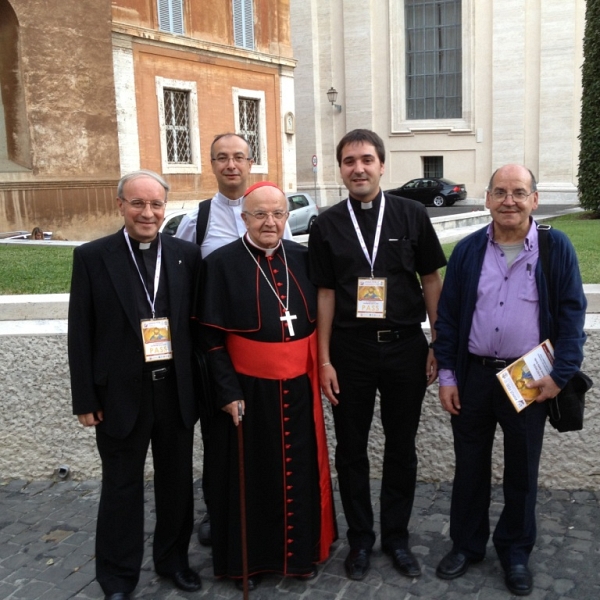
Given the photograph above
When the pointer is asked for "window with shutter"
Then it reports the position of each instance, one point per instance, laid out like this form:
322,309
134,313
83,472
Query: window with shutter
243,23
170,16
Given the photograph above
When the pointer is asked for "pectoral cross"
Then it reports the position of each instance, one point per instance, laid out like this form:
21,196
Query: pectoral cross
288,318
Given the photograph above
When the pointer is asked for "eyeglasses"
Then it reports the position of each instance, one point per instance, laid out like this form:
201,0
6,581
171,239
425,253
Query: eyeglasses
224,160
261,215
139,205
518,197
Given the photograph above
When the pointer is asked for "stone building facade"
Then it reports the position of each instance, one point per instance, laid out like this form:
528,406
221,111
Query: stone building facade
93,90
498,82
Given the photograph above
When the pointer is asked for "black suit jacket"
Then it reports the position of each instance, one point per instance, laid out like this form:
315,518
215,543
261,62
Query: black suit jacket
106,355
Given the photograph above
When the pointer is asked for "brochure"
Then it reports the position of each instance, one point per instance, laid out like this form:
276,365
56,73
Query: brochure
532,366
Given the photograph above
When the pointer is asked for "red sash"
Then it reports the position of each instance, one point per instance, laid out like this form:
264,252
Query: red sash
256,359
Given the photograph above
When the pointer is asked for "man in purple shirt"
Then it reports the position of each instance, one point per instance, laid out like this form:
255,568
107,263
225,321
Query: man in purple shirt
494,308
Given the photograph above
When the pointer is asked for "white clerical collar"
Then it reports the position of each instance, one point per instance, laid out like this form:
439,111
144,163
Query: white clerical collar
225,200
143,245
366,205
267,251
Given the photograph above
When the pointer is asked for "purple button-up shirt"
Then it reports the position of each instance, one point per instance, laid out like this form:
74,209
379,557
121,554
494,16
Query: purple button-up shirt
506,317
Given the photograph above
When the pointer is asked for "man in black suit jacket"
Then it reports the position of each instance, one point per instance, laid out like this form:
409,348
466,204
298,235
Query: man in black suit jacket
134,388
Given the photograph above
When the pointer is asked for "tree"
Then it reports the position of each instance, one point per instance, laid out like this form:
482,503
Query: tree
589,135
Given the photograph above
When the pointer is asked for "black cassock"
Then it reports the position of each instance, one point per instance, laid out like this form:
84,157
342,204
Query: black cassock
289,504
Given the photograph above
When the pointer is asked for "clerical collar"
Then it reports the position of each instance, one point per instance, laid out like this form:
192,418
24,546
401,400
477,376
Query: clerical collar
225,200
267,251
144,245
357,204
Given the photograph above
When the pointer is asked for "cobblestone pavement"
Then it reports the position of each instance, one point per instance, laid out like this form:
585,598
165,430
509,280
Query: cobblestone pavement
47,551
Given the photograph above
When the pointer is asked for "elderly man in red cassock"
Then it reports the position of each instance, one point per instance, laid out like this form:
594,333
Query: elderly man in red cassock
258,312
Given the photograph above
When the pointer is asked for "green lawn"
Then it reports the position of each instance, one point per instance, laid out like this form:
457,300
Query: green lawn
583,232
45,269
29,269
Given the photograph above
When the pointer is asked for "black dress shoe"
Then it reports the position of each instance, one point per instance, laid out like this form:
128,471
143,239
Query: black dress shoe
253,583
357,563
117,596
453,565
186,580
519,580
204,531
312,575
404,561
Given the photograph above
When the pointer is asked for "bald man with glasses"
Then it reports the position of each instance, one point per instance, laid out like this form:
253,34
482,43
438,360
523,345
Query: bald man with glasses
496,305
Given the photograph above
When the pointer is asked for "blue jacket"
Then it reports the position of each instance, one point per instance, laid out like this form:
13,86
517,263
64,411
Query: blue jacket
566,299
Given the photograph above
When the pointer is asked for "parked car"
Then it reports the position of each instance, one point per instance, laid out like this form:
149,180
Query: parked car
432,191
171,222
303,212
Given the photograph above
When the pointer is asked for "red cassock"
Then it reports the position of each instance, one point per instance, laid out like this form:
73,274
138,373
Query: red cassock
252,356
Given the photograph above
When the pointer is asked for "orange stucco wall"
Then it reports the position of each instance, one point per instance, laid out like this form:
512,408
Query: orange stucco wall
215,79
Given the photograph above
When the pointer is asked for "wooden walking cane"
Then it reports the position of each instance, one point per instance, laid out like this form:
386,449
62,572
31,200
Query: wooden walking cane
242,501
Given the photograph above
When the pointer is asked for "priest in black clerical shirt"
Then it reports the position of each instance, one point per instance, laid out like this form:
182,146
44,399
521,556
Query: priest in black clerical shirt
258,314
375,259
130,356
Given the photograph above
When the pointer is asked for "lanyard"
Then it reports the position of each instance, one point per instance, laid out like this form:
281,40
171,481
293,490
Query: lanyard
156,272
359,234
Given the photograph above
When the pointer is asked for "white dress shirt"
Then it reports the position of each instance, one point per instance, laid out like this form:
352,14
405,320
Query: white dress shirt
225,225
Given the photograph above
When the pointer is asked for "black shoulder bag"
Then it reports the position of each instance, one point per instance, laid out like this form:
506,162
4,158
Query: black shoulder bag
565,412
202,222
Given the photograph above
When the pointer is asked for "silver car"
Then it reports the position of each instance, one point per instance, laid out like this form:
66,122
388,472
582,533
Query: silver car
303,212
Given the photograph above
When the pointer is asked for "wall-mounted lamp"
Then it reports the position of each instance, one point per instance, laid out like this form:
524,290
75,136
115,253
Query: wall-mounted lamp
332,97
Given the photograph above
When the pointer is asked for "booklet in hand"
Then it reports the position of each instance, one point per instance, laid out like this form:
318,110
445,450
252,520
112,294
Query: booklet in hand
532,366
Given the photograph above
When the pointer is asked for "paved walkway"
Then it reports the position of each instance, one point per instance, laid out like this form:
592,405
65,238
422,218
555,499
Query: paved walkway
47,551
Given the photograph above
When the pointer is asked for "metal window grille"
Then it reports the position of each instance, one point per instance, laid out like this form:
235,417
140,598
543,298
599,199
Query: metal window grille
177,126
243,24
170,16
249,125
433,59
433,166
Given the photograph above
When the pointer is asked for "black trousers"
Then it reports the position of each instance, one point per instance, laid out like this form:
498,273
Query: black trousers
484,404
397,370
120,527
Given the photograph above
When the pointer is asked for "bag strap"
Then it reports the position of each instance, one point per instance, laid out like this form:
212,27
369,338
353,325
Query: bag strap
202,222
544,256
543,233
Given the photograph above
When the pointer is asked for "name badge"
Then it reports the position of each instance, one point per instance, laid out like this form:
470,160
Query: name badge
371,298
156,334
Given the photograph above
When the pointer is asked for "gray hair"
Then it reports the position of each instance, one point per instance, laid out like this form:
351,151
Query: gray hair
141,173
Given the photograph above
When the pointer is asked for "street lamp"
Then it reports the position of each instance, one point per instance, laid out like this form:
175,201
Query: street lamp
332,97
